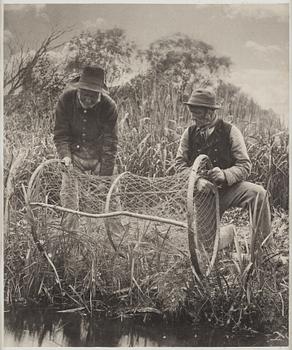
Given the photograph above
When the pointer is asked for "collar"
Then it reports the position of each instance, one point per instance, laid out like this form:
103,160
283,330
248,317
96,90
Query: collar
208,127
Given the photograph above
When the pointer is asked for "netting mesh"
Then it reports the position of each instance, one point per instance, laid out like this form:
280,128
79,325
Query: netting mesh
204,216
163,197
46,187
205,210
126,199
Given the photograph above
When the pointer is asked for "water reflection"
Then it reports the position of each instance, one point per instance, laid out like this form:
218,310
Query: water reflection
47,328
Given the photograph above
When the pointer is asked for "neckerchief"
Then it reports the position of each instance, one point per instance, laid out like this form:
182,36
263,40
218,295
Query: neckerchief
206,130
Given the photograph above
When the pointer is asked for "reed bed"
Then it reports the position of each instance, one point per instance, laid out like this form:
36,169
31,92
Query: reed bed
157,280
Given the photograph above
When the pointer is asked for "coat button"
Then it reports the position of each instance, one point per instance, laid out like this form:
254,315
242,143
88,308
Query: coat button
83,134
216,150
85,111
78,146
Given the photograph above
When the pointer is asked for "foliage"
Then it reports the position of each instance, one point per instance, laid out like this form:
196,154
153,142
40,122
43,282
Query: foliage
183,60
269,156
109,48
40,92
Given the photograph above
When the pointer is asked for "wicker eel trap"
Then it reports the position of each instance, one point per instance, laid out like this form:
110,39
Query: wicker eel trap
166,215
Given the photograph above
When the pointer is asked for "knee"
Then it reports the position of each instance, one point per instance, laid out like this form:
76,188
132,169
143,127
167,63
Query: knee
257,191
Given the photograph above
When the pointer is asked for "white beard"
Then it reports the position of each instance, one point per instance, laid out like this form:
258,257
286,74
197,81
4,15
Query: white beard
88,106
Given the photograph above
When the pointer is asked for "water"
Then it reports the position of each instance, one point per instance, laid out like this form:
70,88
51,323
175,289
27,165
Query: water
47,328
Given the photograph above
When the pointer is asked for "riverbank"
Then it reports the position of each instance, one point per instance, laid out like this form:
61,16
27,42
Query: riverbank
149,282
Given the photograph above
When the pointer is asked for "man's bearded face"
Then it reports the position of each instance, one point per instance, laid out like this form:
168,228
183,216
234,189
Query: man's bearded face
202,116
88,98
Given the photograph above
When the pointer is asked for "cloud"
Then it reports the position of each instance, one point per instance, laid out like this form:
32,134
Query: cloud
69,51
55,56
264,11
38,10
41,13
99,23
269,88
265,49
43,16
267,53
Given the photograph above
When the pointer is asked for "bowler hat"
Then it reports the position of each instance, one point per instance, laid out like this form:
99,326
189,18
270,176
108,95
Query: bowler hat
203,98
92,78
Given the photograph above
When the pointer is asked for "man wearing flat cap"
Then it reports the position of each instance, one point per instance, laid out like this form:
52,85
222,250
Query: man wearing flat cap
85,133
224,144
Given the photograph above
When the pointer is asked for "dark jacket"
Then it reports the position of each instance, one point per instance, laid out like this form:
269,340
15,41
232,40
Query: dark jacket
87,133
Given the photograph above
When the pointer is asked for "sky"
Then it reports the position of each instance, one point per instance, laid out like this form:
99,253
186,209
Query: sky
254,36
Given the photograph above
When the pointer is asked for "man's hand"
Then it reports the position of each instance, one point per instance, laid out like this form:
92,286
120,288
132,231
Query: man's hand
204,185
217,175
67,161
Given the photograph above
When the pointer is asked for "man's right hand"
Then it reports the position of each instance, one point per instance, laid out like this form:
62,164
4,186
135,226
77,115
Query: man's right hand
67,161
204,185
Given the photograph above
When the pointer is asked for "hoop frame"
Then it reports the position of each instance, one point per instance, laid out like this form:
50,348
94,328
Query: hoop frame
192,231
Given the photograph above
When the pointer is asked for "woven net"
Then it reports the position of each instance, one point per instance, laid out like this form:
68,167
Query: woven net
204,218
161,197
121,203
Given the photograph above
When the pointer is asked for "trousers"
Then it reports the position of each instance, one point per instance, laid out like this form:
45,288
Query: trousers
69,195
251,196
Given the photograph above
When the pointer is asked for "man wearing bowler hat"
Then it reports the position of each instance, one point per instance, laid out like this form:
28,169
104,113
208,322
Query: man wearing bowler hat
85,133
223,143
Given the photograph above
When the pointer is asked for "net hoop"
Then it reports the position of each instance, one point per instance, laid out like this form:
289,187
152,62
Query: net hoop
193,229
107,208
36,173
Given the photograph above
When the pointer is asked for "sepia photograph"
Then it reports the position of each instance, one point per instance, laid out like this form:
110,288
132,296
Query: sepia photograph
145,174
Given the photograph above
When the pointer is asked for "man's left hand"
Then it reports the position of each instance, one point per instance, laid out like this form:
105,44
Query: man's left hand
217,175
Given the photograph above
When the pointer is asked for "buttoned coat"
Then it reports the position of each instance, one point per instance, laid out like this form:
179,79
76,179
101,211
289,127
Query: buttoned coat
87,133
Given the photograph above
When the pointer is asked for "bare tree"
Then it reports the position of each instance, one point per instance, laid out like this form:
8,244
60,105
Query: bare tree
19,69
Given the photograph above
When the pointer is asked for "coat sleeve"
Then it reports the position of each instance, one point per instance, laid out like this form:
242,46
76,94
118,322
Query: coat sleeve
110,142
181,159
242,166
62,134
